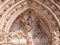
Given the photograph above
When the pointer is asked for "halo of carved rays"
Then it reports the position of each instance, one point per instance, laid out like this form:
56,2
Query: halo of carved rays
44,14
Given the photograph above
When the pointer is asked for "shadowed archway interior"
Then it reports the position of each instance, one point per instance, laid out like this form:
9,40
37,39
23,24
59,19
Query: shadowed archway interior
31,25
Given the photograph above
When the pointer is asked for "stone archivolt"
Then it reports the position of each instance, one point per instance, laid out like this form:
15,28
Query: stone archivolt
29,22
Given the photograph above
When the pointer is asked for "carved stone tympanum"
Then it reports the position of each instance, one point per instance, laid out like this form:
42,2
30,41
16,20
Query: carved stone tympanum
29,22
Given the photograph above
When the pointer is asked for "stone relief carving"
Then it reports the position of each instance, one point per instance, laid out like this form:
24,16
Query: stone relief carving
29,22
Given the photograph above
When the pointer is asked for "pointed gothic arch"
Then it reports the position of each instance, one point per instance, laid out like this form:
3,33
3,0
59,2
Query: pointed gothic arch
35,15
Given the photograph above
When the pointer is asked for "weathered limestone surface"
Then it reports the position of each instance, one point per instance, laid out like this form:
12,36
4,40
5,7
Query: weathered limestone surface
29,22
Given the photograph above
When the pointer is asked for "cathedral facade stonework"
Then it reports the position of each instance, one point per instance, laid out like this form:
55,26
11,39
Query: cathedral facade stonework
29,22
